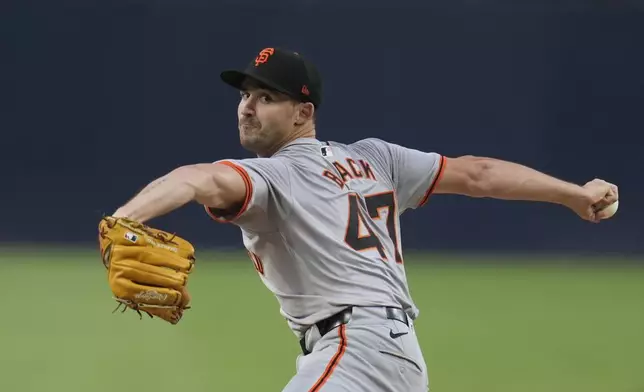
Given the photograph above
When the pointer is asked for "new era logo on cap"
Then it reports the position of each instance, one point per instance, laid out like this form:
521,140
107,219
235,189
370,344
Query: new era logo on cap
282,70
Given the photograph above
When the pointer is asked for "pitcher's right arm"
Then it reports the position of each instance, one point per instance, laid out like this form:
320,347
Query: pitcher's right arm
494,178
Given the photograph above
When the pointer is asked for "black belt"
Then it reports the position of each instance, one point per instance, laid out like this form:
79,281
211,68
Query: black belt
343,317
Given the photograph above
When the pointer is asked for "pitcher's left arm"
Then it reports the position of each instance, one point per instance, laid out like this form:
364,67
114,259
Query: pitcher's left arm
211,184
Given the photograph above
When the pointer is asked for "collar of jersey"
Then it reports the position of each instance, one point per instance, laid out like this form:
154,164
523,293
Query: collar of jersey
302,141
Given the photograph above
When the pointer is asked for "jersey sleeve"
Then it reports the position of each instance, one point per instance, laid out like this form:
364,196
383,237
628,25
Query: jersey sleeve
267,191
414,173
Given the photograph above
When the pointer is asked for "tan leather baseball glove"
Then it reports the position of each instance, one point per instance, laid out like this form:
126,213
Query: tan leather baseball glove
147,269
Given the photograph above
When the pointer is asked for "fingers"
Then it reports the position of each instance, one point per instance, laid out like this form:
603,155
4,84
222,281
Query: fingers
606,201
605,193
615,190
601,194
611,197
591,215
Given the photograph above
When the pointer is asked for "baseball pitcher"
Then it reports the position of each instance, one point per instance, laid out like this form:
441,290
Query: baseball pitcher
321,223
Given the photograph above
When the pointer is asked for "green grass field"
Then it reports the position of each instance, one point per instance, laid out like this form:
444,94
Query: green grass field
484,328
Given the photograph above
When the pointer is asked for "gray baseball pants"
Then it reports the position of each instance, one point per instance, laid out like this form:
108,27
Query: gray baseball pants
369,353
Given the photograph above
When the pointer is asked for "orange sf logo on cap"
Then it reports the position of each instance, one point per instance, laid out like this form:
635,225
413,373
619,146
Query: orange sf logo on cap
263,56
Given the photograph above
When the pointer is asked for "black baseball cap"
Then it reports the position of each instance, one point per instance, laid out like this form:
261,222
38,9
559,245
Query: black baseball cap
281,70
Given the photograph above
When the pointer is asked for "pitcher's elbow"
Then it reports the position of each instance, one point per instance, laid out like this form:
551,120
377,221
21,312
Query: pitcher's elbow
479,177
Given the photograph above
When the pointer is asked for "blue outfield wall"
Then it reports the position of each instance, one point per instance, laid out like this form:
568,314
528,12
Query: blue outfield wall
99,98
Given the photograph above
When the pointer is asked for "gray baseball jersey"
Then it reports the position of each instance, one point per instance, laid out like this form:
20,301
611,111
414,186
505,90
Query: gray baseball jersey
321,223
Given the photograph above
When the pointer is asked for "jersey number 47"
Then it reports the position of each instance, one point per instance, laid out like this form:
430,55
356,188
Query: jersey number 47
375,203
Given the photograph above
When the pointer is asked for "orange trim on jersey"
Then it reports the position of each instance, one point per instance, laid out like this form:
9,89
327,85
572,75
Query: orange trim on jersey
330,367
257,262
249,193
431,188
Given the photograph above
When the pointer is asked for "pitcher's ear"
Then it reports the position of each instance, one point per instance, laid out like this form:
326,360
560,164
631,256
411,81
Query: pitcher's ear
305,113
